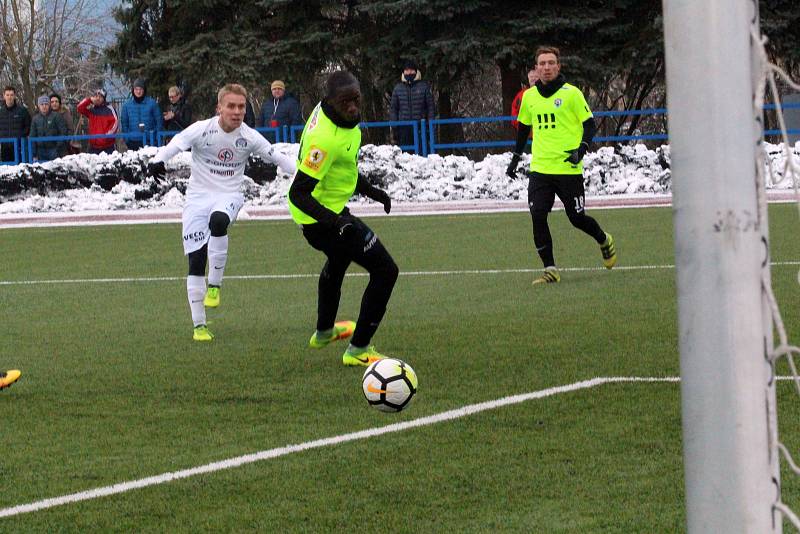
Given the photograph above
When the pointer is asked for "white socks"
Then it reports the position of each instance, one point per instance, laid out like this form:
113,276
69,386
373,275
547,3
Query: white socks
217,258
196,290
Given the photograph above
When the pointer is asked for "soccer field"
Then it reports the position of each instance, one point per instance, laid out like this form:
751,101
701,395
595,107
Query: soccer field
114,390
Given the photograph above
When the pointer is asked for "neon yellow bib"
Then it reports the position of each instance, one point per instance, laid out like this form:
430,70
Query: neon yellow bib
557,125
328,153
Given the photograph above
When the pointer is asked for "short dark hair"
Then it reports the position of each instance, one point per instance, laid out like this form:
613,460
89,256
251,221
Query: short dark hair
338,81
56,96
547,50
9,88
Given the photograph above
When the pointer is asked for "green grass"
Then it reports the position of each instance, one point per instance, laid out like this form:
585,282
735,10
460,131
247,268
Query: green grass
114,389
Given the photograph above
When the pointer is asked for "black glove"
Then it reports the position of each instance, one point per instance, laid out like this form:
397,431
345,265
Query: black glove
511,171
344,223
157,170
383,197
576,155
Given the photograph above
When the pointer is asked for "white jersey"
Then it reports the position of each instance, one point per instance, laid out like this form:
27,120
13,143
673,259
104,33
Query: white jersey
219,157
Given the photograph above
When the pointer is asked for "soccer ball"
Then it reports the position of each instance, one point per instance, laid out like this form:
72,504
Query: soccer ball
389,384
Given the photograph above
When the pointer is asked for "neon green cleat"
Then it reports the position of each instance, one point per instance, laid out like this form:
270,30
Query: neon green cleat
341,330
212,297
9,377
549,276
609,252
364,358
201,333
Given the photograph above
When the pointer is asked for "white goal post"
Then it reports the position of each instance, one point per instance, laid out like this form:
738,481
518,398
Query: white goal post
721,249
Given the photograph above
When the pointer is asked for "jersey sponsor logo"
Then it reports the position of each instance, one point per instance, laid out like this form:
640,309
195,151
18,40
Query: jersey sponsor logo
557,102
225,155
240,143
195,236
315,158
546,120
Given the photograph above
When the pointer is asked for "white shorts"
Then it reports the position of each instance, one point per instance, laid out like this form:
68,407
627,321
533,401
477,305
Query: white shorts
196,211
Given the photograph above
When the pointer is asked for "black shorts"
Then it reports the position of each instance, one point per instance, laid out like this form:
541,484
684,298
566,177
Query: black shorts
542,189
360,244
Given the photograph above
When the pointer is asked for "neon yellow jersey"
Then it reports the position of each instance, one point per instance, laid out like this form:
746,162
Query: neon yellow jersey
329,154
557,126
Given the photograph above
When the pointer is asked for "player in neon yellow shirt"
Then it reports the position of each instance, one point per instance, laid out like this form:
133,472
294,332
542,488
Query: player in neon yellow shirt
563,129
326,178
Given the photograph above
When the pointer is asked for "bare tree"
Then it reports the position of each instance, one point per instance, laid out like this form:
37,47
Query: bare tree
52,45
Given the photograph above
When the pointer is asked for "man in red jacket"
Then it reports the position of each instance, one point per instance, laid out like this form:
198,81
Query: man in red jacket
102,120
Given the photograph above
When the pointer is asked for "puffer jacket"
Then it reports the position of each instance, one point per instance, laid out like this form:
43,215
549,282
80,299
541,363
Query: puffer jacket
14,121
50,125
145,112
412,101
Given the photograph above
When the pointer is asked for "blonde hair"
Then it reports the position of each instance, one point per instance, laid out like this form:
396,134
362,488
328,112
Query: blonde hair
231,88
173,90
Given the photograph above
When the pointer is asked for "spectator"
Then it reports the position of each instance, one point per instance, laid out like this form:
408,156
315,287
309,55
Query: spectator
282,109
533,77
102,120
47,123
139,114
412,100
15,121
179,114
249,114
55,105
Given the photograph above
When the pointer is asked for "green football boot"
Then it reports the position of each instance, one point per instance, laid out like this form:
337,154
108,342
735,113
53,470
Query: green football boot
549,276
341,330
361,357
201,333
609,252
212,297
9,377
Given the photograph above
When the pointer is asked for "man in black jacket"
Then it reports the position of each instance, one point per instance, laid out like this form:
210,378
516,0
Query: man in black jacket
179,113
15,121
412,99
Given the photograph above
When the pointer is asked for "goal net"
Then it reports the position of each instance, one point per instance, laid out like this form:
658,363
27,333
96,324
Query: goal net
731,333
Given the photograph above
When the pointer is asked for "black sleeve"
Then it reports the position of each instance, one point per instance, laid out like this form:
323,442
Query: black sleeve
300,195
589,129
522,137
363,187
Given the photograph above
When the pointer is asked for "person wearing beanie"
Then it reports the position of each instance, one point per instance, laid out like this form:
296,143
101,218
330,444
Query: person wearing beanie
140,114
47,124
15,121
282,110
412,100
102,121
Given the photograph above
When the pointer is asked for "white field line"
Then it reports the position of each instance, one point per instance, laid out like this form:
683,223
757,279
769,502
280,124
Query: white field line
316,275
237,461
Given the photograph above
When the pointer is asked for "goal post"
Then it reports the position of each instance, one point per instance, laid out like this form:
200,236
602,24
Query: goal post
721,250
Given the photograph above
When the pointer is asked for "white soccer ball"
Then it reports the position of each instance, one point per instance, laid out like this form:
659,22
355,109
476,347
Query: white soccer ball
389,384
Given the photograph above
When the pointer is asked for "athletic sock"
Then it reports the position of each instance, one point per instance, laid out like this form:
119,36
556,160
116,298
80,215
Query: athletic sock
217,258
196,291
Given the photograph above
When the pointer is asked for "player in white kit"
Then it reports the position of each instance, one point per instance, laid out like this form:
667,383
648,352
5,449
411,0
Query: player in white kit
220,148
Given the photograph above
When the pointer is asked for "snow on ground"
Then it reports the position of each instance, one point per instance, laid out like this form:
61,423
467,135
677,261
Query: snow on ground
622,171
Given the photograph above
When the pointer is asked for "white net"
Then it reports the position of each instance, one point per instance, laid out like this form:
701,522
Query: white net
767,173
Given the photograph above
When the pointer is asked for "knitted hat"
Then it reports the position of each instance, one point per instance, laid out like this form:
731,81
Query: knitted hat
139,82
410,64
277,84
101,92
43,100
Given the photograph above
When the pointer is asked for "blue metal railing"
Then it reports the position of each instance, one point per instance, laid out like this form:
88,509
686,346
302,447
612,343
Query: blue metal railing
424,133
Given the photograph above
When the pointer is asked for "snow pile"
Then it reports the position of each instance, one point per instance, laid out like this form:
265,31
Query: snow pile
85,182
